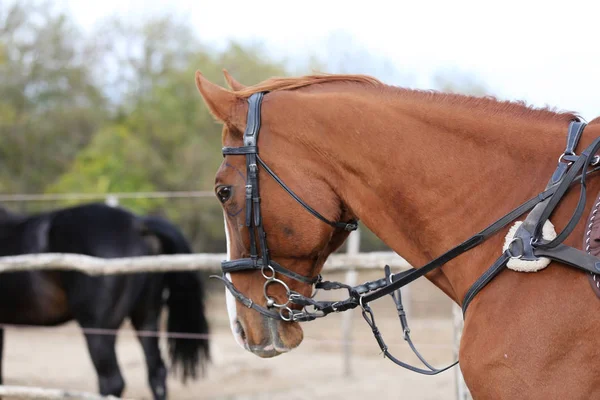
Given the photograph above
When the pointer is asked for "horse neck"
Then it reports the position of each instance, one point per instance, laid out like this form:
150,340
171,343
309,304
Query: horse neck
424,175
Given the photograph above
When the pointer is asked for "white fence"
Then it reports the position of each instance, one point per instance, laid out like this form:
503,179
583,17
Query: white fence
179,262
32,393
351,262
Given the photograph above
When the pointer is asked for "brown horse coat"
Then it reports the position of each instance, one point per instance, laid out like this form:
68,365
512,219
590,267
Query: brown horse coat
423,171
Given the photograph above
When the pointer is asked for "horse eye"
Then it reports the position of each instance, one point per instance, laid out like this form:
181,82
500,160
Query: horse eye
224,193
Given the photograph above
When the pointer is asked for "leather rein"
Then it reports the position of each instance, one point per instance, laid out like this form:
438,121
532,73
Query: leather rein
527,243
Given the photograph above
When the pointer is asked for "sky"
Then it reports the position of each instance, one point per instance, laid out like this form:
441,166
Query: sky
543,52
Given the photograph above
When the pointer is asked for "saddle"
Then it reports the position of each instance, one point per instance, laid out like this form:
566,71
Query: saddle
591,242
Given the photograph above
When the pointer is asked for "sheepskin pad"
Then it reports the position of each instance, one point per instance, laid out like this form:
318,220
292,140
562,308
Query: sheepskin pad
548,233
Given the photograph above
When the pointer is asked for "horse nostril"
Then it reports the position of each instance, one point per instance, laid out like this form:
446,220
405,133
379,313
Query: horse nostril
241,330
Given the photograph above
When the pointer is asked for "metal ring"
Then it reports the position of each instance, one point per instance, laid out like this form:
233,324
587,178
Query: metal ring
269,298
296,316
510,253
566,154
360,302
262,271
295,295
290,315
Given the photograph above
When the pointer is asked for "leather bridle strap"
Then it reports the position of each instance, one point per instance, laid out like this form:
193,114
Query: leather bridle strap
468,244
347,226
253,222
250,148
246,301
370,318
555,193
385,286
570,168
243,265
531,246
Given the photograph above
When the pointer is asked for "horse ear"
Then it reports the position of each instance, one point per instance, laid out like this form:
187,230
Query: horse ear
232,83
221,102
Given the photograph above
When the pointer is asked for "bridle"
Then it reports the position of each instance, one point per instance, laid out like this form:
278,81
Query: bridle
527,243
268,268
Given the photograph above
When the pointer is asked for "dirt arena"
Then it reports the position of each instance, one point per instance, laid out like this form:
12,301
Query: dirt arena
57,358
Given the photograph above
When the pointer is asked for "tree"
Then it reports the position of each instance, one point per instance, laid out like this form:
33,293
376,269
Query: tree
161,138
118,111
49,106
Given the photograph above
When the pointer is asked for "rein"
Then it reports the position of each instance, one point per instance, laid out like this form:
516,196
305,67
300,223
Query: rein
527,243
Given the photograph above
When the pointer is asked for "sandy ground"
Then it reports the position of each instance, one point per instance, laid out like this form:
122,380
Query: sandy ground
57,358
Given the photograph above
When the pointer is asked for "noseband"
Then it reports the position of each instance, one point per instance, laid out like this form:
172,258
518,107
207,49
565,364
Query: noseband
571,168
268,268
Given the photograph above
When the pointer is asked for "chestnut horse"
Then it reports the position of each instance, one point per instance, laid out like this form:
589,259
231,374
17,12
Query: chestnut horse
424,171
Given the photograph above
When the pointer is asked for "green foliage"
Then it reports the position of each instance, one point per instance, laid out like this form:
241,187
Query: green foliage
114,161
118,111
160,138
49,106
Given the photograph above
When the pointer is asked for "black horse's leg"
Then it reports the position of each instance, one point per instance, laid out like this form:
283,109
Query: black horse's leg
145,320
104,358
157,373
1,355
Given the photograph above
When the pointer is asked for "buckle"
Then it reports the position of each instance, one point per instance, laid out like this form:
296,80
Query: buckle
510,252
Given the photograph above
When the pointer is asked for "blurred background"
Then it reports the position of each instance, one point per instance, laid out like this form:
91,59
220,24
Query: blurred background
98,99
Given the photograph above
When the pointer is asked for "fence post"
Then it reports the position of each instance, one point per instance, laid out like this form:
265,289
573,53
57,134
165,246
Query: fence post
462,392
352,248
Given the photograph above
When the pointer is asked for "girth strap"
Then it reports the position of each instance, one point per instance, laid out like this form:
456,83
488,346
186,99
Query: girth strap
571,256
484,279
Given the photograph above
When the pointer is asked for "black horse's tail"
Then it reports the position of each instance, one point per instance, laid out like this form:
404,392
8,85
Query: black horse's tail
185,303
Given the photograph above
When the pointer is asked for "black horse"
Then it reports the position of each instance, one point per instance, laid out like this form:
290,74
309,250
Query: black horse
54,297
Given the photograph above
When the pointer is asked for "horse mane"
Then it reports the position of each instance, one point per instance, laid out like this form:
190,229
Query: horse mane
291,83
493,105
488,103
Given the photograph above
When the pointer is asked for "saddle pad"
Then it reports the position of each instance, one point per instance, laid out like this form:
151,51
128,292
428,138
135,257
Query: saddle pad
591,241
520,265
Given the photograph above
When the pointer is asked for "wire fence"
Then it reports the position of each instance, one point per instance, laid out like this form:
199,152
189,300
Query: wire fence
105,196
350,262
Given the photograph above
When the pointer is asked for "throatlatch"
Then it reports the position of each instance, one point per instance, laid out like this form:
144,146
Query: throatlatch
527,243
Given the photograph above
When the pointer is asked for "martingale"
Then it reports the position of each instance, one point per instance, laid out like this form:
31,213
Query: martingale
527,243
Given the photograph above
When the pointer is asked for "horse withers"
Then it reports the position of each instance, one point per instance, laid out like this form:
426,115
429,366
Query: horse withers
424,171
48,298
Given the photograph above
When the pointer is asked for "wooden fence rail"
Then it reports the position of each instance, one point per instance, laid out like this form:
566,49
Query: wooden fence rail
179,262
349,262
33,393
